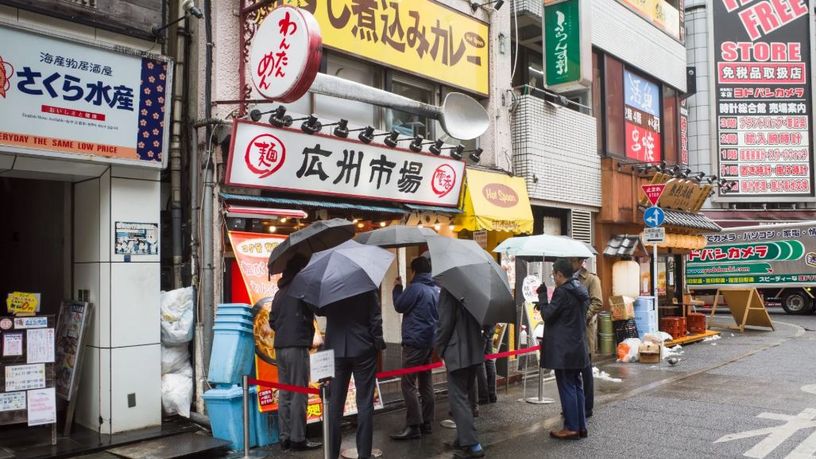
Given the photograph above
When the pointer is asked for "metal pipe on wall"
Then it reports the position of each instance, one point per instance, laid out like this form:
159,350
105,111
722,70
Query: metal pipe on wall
207,275
176,145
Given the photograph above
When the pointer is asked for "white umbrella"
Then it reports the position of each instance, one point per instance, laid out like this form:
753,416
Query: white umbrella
544,245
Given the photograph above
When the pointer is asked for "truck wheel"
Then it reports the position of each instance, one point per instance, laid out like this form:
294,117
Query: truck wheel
796,303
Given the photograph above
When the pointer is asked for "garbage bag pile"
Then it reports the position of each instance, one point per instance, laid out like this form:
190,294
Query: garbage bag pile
176,333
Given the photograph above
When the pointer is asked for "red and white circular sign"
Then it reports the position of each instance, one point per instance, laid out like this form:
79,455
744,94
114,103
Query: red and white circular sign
285,54
443,180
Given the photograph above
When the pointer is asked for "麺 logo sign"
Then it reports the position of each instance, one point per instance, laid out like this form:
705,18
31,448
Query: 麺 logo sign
500,195
265,154
444,179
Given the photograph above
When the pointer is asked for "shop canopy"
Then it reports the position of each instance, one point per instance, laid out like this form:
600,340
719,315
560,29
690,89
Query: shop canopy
495,202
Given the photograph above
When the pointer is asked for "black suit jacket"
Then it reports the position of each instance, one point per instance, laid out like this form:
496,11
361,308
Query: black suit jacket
354,326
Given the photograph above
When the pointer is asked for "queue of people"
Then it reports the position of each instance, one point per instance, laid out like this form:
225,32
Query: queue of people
434,321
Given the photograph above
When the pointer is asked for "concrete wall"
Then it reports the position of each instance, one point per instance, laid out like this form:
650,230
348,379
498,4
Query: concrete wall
698,104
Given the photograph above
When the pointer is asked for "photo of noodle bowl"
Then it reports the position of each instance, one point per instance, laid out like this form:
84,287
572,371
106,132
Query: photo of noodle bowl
264,335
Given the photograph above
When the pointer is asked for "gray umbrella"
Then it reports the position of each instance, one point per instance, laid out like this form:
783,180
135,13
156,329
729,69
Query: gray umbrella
320,235
341,272
470,274
396,236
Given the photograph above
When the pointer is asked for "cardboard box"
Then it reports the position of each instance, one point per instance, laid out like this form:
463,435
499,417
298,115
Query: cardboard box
649,352
622,307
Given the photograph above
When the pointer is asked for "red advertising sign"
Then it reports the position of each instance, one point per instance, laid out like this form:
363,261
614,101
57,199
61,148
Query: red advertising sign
642,144
641,115
763,97
653,191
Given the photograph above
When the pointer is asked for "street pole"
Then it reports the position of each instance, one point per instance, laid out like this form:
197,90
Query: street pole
324,394
654,272
246,415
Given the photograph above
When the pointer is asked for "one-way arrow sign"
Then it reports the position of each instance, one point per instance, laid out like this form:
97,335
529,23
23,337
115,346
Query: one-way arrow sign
653,191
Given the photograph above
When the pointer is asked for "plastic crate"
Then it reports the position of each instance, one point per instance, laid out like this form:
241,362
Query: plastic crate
225,409
233,348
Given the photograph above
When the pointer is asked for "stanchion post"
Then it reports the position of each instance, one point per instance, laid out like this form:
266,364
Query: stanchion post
324,395
539,399
246,415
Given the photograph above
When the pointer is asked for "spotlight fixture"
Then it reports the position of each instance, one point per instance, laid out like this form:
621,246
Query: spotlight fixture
255,114
451,227
361,225
311,125
272,228
497,4
476,155
698,177
437,225
711,179
456,152
416,144
283,220
189,9
392,138
341,128
382,224
367,134
436,147
279,118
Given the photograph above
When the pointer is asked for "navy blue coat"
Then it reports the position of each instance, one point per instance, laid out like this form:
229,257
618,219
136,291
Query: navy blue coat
564,344
418,306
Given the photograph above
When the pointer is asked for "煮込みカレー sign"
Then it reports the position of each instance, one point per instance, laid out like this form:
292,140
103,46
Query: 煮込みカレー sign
64,98
288,159
418,36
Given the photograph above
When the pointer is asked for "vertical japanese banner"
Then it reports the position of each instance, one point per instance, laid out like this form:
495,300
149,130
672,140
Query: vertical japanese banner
762,97
684,151
252,252
642,110
567,45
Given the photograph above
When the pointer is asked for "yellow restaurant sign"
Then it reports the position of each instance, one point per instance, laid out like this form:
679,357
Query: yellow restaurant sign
418,36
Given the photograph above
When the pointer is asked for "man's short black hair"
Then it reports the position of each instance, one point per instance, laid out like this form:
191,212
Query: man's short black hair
421,265
563,266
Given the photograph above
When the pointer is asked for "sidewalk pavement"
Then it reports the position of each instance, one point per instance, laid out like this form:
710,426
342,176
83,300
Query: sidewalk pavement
511,417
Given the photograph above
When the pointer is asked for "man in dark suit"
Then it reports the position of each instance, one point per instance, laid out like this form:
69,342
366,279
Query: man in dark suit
354,332
459,343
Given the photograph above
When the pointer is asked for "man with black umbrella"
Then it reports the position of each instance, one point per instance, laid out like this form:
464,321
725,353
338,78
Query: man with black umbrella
293,323
354,331
459,343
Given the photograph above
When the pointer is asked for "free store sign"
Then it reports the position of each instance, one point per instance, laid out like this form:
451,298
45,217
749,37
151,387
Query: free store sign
287,159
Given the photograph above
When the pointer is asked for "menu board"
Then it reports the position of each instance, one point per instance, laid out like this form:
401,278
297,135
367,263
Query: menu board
70,339
762,98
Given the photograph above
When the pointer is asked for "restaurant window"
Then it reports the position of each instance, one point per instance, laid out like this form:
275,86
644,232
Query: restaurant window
357,113
597,100
670,126
613,112
409,124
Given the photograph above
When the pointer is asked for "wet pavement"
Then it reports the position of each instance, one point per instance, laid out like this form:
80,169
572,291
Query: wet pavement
759,379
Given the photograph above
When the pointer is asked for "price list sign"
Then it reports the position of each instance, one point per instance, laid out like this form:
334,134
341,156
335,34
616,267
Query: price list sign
763,97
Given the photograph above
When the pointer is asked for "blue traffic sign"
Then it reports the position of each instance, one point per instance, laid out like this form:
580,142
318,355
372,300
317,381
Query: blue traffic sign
654,217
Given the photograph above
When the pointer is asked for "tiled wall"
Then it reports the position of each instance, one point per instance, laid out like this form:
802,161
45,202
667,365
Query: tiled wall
698,104
555,150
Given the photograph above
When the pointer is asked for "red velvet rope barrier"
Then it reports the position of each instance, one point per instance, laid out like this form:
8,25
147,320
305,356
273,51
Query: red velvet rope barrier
388,374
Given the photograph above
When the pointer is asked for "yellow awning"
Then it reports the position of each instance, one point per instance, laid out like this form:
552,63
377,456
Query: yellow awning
495,202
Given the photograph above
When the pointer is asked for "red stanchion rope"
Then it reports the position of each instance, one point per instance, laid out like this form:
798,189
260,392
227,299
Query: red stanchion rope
387,374
286,387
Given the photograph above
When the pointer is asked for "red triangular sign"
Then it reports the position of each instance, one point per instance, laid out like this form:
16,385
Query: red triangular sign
653,191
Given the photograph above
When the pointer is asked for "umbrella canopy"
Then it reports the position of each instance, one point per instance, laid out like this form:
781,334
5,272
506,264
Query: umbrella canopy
396,236
320,235
341,272
544,245
470,274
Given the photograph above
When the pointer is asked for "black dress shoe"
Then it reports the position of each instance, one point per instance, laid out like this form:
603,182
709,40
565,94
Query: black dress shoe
408,433
285,445
305,445
588,414
583,433
427,429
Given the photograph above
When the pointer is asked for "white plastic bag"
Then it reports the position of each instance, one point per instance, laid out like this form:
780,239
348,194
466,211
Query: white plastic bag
177,316
658,338
174,358
628,350
177,393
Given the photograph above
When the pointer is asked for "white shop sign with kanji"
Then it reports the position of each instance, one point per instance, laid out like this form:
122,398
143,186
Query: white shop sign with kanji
288,159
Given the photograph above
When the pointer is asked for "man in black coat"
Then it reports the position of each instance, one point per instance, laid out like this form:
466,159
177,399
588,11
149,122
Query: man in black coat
293,323
564,347
354,332
459,343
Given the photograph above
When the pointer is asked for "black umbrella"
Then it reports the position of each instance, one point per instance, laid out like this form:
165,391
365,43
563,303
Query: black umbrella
396,236
471,275
320,235
341,272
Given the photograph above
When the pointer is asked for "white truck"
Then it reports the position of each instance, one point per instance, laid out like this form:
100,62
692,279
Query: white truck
779,260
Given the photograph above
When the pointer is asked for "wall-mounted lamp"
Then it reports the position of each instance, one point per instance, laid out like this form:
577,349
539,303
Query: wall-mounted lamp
497,4
475,155
189,10
311,125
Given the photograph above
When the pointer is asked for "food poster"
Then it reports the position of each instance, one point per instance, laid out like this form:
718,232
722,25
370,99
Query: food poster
252,252
136,238
69,335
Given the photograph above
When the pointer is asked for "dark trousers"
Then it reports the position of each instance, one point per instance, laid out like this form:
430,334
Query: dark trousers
419,412
460,384
589,387
572,398
293,369
486,375
364,369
